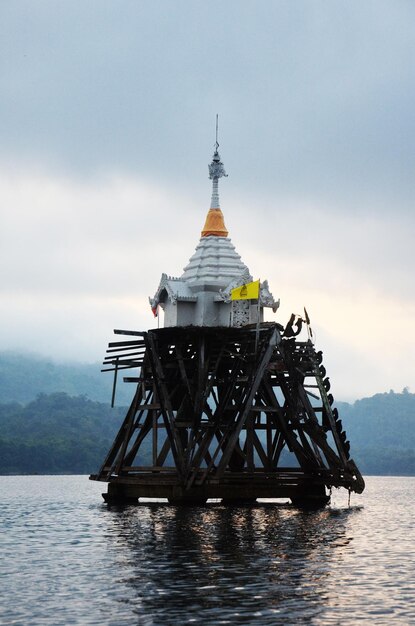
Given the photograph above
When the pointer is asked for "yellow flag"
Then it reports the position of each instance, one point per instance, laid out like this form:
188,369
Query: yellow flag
250,291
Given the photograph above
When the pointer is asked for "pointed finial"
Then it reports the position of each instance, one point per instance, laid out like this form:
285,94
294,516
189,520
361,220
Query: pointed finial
216,171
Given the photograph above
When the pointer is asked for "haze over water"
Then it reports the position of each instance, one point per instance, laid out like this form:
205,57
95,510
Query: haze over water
68,559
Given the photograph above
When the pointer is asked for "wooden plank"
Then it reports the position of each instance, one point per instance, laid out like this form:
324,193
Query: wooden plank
249,444
149,407
122,366
268,428
142,434
261,452
150,468
277,447
114,385
155,436
121,344
163,452
313,395
123,354
123,358
182,370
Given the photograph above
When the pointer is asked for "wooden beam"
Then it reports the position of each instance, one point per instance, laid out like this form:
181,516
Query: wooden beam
109,459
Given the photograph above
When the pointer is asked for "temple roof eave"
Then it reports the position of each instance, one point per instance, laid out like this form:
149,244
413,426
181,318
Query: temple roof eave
176,289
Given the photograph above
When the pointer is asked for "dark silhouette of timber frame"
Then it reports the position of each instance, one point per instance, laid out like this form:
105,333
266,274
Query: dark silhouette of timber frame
213,412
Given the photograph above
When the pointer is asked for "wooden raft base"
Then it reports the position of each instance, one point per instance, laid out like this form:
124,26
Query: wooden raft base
303,491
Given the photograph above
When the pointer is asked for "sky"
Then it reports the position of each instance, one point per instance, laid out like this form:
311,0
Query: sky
107,125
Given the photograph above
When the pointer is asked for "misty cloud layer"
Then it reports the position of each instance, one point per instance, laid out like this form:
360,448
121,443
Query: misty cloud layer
107,115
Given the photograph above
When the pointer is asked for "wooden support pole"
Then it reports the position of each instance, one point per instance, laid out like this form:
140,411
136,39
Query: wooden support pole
166,408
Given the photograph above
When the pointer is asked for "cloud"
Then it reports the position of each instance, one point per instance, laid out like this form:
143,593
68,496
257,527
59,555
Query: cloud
81,257
63,235
329,246
312,97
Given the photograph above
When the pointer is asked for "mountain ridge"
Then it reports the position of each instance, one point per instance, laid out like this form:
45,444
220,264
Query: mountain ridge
58,420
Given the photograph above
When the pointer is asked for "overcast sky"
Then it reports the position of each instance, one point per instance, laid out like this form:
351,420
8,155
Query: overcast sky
107,125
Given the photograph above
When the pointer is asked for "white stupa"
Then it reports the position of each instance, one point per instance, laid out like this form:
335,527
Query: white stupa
202,294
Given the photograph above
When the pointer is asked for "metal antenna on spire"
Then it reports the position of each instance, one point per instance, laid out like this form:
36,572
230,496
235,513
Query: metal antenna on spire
216,171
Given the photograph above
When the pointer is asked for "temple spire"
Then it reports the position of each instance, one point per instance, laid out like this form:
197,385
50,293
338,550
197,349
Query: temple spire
215,224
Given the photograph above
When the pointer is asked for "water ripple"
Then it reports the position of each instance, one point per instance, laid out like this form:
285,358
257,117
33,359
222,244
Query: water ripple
68,559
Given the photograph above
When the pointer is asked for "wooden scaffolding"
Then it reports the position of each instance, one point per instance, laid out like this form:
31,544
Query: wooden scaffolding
230,413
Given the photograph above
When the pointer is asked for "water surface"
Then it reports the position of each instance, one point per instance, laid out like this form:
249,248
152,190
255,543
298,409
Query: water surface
67,558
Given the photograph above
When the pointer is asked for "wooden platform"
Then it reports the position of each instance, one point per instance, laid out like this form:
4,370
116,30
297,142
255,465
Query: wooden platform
213,412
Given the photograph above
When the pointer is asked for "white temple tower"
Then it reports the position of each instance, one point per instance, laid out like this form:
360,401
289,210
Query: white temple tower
201,296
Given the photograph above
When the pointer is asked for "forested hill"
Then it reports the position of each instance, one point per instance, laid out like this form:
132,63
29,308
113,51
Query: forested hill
381,430
24,376
56,433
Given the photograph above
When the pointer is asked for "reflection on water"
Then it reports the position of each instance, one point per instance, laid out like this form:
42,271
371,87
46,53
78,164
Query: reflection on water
261,563
68,559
